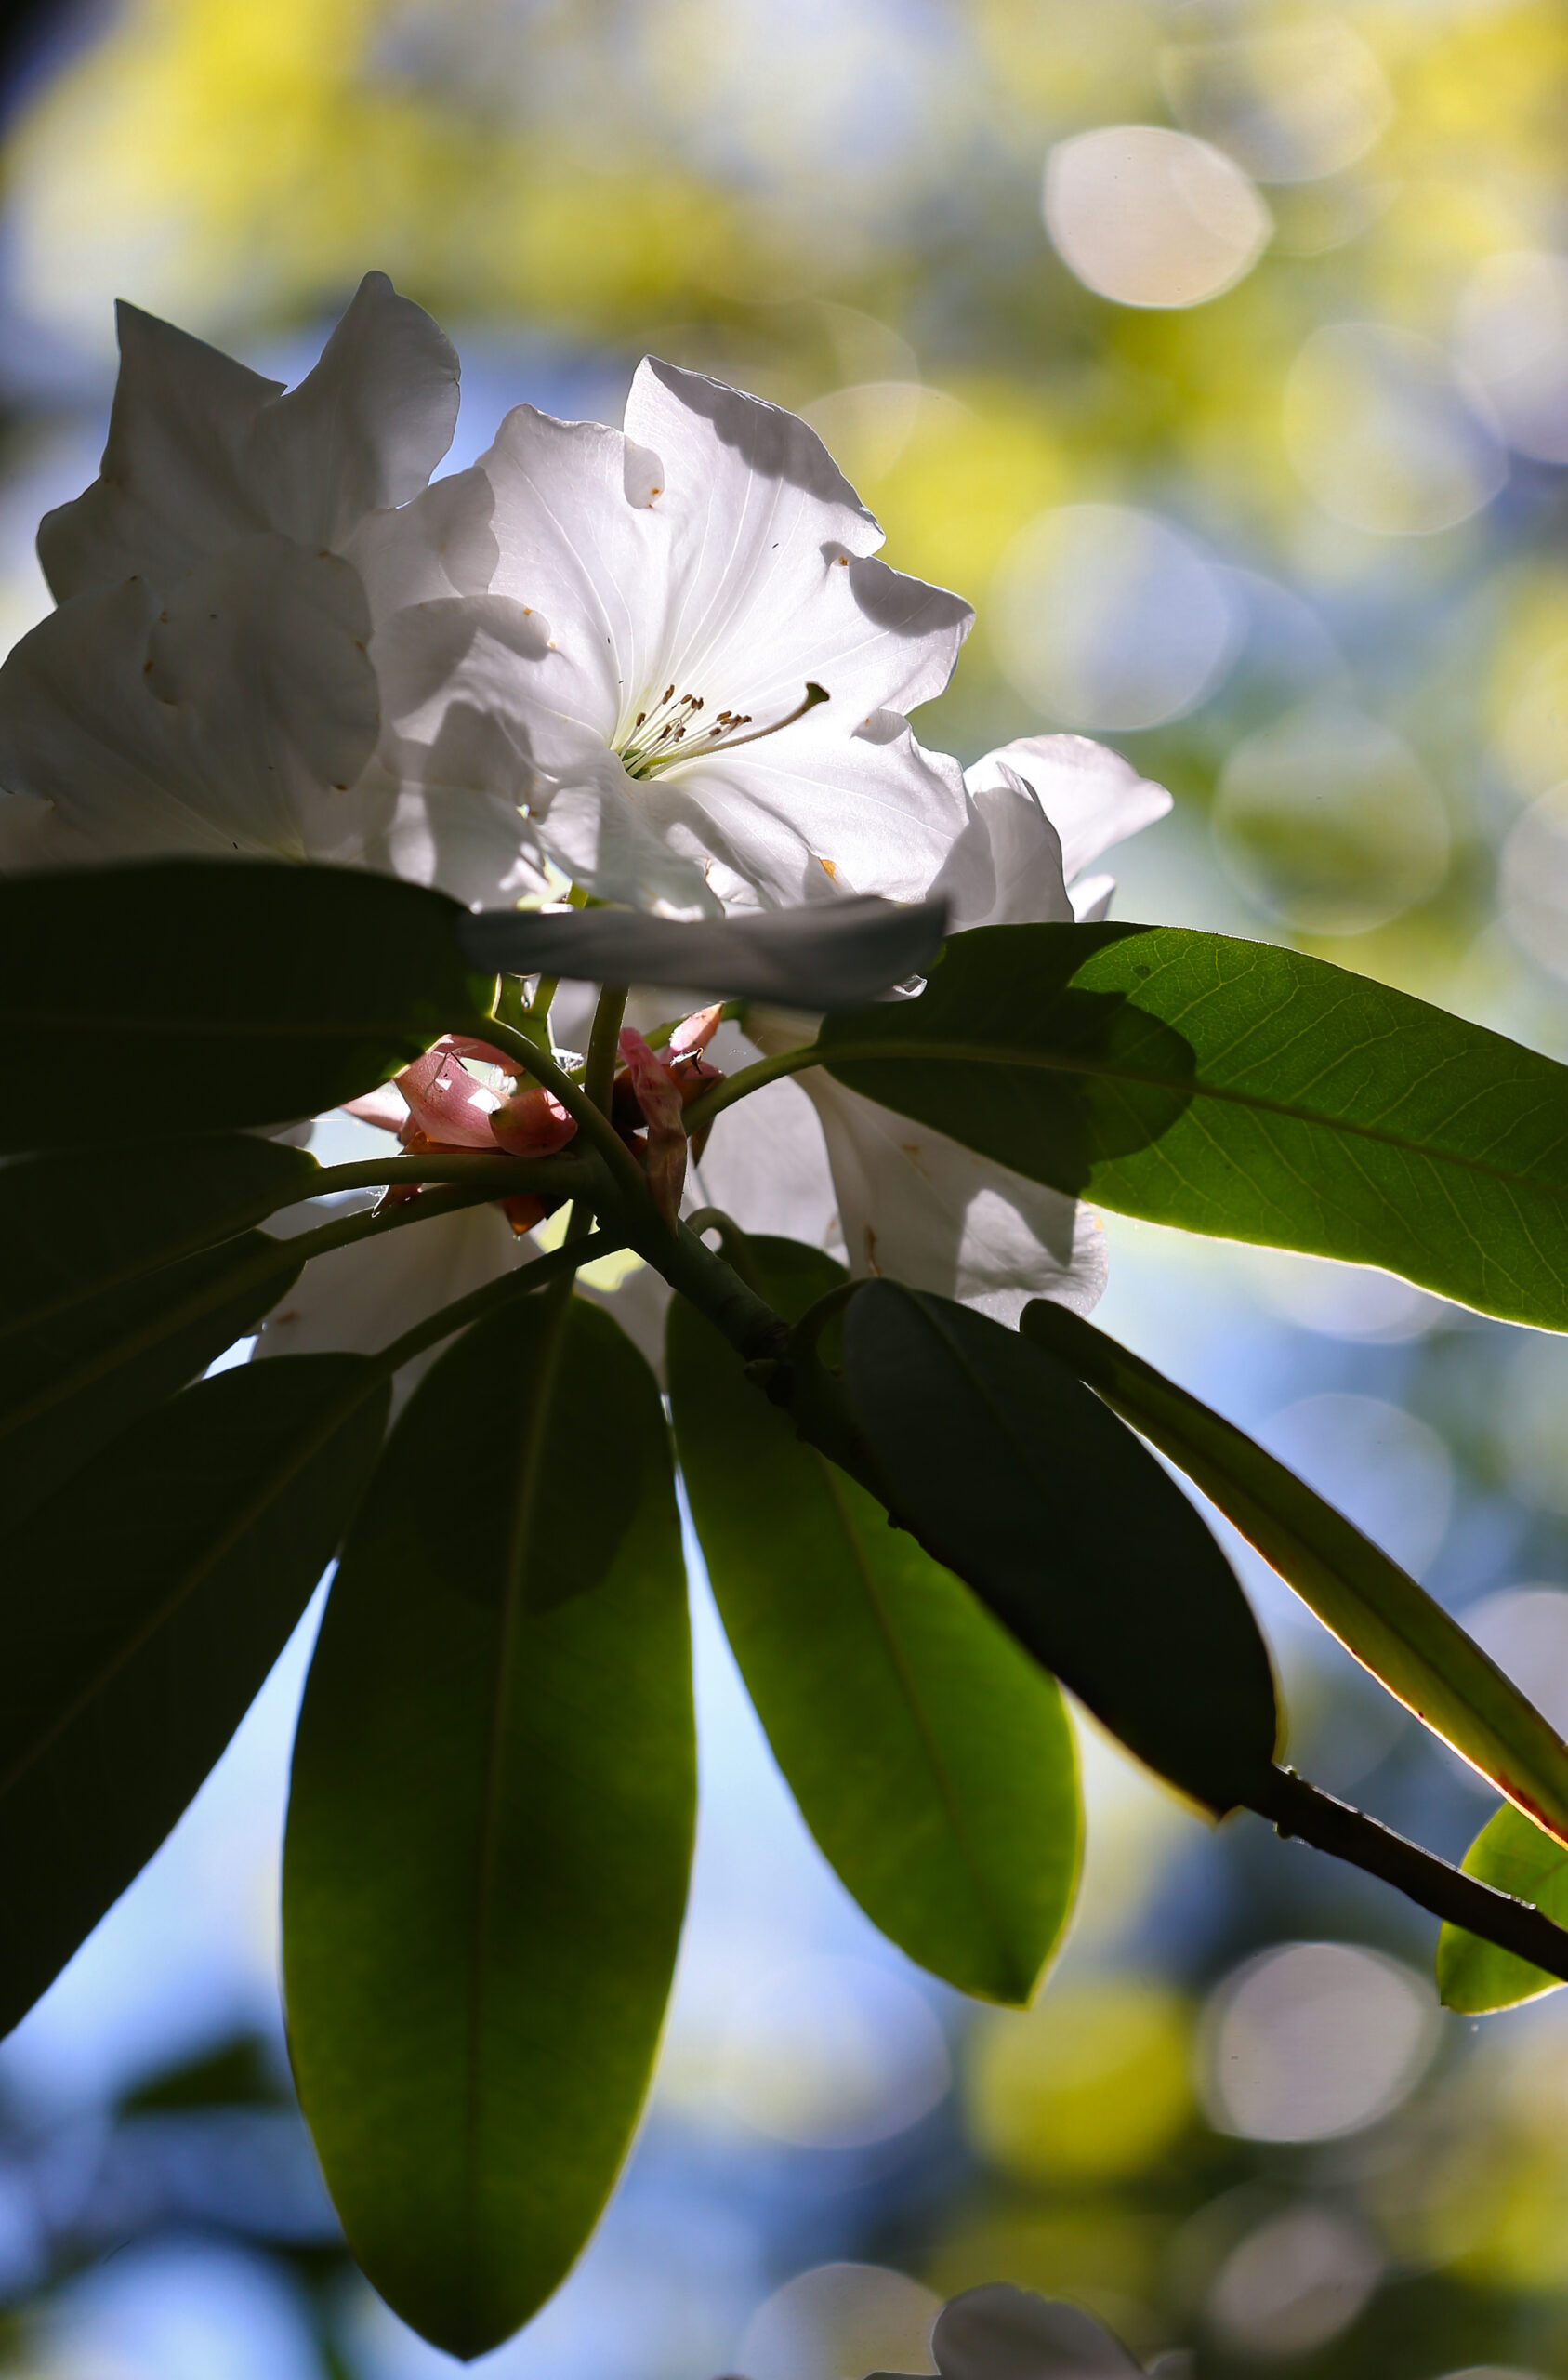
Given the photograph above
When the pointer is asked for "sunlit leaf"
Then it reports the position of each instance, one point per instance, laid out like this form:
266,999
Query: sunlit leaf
71,1229
139,1621
226,992
70,1382
1375,1609
1517,1857
1234,1088
1022,1481
491,1820
931,1759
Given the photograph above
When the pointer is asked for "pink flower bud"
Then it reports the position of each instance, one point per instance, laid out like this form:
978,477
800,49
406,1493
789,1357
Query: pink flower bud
532,1123
659,1098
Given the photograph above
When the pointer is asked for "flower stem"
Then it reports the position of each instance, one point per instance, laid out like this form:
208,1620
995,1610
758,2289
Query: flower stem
1294,1808
720,1095
562,1176
598,1075
591,1121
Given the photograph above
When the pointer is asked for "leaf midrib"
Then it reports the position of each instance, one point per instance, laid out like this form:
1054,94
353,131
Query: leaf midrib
937,1763
276,1482
1020,1056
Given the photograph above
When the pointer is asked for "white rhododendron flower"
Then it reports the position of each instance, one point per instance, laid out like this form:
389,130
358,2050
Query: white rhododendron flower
663,662
210,682
1000,2332
689,668
893,1197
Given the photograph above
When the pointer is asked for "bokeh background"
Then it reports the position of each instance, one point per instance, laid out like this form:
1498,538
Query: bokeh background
1219,352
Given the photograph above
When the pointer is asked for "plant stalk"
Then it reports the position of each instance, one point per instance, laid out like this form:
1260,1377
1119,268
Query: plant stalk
1294,1808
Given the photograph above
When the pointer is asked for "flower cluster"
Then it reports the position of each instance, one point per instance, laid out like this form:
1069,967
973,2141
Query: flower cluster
661,665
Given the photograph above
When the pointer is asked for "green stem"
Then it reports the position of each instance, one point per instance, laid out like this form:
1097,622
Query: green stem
559,1264
752,1327
1294,1808
562,1176
589,1118
598,1075
720,1095
373,1224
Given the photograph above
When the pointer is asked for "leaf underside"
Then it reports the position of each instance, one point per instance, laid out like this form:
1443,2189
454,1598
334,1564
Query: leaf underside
138,1622
1018,1477
490,1821
931,1759
1379,1613
1236,1089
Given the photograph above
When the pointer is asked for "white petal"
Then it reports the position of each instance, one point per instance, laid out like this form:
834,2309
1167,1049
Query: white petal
808,813
920,1208
172,483
578,543
766,1165
1000,2332
357,1300
606,842
1006,867
234,721
1091,899
201,452
366,427
768,585
475,846
439,544
452,674
1092,797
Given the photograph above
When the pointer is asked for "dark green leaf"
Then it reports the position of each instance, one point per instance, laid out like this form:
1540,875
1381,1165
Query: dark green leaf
931,1759
138,1622
491,1820
1514,1854
69,1230
70,1383
1020,1480
1233,1087
259,991
1375,1609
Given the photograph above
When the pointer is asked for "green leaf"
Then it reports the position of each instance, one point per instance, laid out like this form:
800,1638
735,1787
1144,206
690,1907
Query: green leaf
138,1622
1377,1611
69,1230
490,1826
932,1760
1233,1087
260,991
70,1383
1513,1853
1016,1475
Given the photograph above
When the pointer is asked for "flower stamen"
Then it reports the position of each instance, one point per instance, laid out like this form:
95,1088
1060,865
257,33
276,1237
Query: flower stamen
658,736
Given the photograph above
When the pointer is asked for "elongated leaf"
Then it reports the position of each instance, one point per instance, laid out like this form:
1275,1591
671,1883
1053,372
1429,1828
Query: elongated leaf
1020,1480
136,1624
491,1820
261,992
70,1231
932,1760
1233,1087
70,1383
1513,1853
825,956
1377,1611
